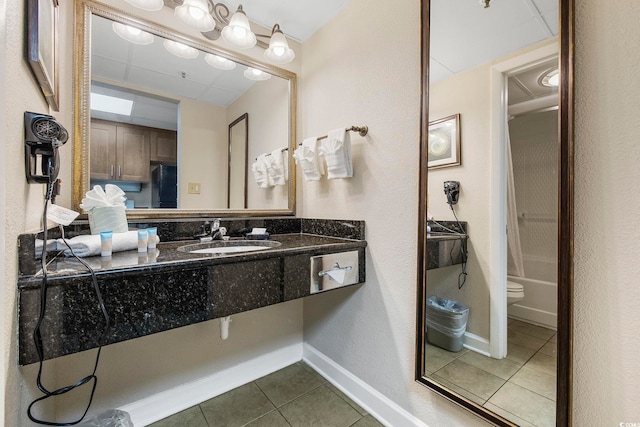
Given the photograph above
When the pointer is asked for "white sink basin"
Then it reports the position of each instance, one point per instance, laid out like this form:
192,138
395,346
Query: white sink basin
229,246
229,249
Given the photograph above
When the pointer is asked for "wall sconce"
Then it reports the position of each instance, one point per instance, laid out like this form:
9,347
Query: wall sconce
132,34
195,13
212,20
238,31
279,51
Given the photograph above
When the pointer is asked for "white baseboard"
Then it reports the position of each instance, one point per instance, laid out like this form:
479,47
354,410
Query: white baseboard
534,315
169,402
476,343
371,400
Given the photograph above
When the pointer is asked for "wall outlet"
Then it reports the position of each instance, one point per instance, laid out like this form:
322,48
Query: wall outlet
194,188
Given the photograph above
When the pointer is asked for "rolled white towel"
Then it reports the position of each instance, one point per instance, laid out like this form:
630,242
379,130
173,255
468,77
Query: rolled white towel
89,244
336,150
307,158
259,170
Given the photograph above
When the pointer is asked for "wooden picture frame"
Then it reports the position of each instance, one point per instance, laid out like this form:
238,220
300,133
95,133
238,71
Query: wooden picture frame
444,142
42,47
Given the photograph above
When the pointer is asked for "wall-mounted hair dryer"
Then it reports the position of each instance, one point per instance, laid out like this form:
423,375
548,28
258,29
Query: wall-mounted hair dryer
452,191
42,137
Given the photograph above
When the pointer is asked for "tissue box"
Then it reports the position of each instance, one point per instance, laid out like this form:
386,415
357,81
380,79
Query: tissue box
108,219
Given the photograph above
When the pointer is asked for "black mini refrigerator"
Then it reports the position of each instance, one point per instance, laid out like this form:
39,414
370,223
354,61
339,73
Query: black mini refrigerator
164,187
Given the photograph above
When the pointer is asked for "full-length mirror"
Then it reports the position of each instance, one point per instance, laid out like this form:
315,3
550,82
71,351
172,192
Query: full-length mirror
154,110
238,179
495,208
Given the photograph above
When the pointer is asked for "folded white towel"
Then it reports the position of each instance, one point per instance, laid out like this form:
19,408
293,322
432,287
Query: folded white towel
336,150
259,169
89,244
52,245
275,167
307,158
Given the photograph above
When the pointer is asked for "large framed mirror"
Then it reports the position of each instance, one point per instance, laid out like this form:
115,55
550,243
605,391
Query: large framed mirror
169,148
495,266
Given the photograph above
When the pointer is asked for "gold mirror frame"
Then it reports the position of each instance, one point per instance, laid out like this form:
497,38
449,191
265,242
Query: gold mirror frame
565,225
82,88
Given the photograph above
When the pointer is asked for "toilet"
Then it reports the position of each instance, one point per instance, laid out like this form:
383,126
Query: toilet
515,292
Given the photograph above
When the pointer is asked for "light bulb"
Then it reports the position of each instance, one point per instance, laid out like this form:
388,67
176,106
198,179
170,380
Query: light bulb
256,72
133,30
279,51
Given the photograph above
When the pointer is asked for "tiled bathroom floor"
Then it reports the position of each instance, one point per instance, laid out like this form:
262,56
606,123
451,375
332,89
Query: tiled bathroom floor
295,396
521,387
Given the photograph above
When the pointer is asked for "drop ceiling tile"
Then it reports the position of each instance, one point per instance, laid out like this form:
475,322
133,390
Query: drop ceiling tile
108,69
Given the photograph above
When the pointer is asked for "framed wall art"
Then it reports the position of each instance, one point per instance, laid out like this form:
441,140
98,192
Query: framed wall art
42,47
444,142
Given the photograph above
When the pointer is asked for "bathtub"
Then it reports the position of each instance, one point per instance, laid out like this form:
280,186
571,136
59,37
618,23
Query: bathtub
539,305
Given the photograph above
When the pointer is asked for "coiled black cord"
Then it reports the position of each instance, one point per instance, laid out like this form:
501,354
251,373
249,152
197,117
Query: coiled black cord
462,277
37,336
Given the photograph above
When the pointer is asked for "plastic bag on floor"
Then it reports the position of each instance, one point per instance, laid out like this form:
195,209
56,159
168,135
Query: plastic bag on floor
110,418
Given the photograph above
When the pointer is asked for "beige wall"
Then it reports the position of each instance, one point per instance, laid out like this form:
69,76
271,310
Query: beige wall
363,68
267,103
466,93
369,331
202,157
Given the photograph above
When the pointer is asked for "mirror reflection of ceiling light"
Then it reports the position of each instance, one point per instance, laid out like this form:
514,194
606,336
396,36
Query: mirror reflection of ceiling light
550,78
195,13
132,34
238,32
212,19
181,50
255,74
150,5
111,104
219,62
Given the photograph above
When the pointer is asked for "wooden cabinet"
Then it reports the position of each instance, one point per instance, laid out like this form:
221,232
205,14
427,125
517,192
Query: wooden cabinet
164,146
119,152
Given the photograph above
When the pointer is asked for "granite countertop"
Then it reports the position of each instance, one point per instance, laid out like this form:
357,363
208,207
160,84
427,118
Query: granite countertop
167,258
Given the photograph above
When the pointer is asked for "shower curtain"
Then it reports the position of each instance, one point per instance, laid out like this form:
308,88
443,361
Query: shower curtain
515,266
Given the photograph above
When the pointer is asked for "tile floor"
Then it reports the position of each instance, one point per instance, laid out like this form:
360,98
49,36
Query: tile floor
521,387
295,396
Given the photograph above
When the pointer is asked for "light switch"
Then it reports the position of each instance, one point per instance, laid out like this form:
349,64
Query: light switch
194,188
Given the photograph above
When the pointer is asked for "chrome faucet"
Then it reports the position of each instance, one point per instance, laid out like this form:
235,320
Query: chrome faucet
211,231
